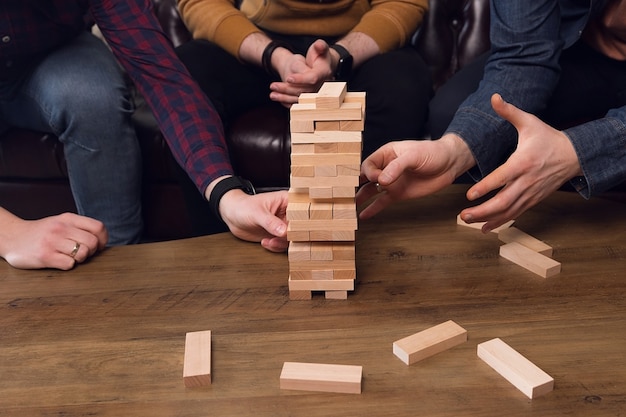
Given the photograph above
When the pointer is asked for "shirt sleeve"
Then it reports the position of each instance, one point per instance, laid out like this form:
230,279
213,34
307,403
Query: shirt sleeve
189,122
523,68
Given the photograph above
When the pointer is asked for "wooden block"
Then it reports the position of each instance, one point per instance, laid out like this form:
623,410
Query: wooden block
300,295
299,251
336,295
515,368
303,170
349,147
298,195
323,193
317,265
355,97
321,211
307,98
308,112
332,125
429,342
344,250
331,95
197,361
301,126
344,181
331,225
349,170
342,236
322,274
332,136
479,225
321,285
297,148
344,210
352,125
529,259
342,191
321,251
344,274
326,147
300,275
321,377
325,171
297,235
298,211
513,234
326,159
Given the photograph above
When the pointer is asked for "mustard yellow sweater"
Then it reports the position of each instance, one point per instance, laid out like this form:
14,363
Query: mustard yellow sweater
389,22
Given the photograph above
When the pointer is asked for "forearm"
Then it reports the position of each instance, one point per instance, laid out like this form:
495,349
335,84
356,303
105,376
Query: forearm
361,46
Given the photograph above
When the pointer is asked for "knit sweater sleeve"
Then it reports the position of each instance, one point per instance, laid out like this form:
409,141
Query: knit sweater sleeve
392,22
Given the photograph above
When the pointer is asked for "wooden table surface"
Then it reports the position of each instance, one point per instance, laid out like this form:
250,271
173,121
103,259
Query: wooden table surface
107,338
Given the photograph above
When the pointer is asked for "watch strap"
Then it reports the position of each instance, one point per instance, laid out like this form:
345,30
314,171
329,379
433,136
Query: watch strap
225,185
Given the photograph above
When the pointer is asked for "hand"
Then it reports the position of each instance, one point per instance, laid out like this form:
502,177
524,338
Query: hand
411,169
49,242
257,218
303,75
543,161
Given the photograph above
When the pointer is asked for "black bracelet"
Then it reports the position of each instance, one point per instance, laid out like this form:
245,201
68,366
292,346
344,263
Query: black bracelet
225,185
266,58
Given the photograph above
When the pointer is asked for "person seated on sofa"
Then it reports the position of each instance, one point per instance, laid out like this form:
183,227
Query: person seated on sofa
563,60
55,76
255,52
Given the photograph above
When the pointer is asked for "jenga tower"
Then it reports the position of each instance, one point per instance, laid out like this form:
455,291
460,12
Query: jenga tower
325,163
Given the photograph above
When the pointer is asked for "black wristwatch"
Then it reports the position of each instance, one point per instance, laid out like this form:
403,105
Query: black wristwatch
344,66
225,185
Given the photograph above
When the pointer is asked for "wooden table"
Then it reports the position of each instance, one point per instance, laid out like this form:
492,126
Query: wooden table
107,338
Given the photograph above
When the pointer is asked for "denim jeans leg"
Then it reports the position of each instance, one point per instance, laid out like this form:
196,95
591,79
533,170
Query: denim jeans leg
79,93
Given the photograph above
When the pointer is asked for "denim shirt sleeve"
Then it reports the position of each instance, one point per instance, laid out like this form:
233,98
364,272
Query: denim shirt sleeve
523,68
601,149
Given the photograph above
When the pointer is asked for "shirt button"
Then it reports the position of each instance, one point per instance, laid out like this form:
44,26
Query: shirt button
6,39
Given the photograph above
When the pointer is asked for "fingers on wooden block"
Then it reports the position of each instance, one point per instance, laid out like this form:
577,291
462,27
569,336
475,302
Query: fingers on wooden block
197,361
321,377
513,234
479,225
429,342
515,368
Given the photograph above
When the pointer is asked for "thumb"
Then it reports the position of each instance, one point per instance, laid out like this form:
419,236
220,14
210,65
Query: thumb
509,111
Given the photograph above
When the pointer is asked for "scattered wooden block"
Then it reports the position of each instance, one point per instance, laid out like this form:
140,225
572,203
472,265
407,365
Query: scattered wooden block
513,234
529,259
336,295
429,342
321,377
515,368
197,360
479,225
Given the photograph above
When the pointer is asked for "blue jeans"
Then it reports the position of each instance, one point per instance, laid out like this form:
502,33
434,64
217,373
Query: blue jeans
78,93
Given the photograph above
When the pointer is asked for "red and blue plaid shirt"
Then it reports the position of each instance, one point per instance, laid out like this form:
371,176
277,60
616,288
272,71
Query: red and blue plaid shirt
190,124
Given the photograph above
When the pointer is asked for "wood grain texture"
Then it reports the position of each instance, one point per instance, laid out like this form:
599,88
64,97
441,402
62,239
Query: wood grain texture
107,338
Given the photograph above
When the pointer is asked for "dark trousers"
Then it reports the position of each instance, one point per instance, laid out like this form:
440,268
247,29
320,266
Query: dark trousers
589,86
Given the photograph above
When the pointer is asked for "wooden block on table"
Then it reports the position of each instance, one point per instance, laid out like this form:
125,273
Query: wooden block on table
344,250
313,265
331,225
513,234
344,274
336,295
197,360
322,274
331,95
297,235
479,225
321,377
429,342
515,368
529,259
300,295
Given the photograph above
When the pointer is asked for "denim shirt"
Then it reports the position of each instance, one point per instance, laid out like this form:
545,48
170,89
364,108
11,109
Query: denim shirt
527,38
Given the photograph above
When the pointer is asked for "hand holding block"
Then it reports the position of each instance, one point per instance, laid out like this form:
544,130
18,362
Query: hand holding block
515,368
321,377
197,362
429,342
479,225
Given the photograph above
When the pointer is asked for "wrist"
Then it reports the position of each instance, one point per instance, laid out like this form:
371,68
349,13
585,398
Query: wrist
462,157
225,185
268,52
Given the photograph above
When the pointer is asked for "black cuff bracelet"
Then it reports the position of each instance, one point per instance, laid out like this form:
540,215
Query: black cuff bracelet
225,185
266,58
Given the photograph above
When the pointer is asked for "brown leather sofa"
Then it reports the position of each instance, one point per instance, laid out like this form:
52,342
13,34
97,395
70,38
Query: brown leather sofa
33,177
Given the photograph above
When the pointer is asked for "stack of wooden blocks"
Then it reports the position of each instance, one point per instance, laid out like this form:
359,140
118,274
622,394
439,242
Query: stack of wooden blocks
325,164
